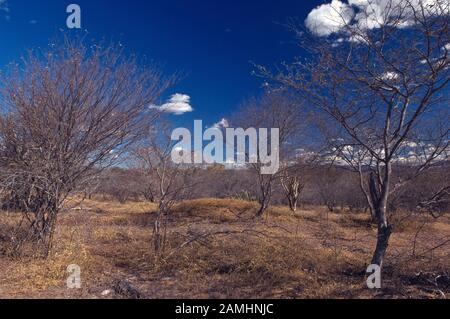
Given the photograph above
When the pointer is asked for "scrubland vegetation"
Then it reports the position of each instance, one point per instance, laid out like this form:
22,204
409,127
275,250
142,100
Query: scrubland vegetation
216,249
87,175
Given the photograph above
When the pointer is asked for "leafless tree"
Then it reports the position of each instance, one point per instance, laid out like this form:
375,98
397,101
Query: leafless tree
90,186
166,181
293,187
383,81
68,111
275,109
437,202
293,179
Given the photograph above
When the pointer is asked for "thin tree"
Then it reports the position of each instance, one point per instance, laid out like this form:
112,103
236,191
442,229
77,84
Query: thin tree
167,182
275,109
293,186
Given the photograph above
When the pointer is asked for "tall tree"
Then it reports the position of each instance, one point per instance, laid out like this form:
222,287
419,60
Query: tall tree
380,72
68,112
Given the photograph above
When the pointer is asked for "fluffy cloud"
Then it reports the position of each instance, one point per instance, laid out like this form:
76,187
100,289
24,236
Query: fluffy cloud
329,18
368,14
178,104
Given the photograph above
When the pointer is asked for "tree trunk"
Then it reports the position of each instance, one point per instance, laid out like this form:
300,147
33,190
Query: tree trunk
293,205
383,235
264,204
265,195
157,237
43,226
379,199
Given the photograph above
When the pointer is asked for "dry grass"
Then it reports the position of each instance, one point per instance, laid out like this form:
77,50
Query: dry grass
312,254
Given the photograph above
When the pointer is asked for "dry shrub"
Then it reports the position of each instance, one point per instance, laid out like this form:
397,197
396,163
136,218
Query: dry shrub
215,210
250,265
358,221
304,255
35,274
407,222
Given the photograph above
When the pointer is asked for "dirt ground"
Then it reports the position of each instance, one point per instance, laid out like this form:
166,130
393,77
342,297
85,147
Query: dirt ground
216,249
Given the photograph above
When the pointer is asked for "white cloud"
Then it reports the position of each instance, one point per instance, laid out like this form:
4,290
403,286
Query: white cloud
223,123
178,104
329,18
332,17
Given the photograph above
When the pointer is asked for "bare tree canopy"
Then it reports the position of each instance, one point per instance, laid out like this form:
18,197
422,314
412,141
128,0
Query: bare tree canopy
383,82
275,109
65,111
167,183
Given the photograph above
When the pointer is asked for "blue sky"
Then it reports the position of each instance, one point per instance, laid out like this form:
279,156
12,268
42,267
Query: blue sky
212,42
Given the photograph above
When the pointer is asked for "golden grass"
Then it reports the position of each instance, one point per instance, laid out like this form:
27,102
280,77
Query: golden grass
312,254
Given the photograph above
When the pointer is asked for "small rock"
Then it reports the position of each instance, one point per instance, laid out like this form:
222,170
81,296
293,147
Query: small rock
106,292
126,290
